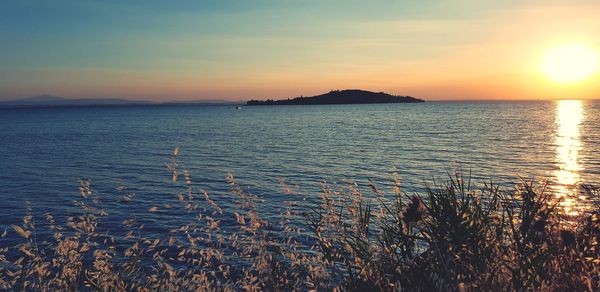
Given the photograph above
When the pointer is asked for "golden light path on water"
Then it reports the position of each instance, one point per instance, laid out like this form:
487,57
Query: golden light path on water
569,115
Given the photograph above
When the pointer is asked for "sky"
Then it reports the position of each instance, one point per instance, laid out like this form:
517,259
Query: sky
239,50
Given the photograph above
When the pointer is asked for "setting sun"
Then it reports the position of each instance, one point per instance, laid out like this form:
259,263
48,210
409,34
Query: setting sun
570,63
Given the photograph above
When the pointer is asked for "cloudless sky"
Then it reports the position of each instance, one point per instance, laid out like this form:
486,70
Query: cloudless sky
183,50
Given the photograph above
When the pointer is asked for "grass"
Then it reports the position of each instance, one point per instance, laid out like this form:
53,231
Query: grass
455,236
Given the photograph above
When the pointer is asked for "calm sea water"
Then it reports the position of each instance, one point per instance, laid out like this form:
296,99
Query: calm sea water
45,151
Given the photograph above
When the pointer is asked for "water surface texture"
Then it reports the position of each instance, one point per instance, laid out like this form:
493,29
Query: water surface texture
45,151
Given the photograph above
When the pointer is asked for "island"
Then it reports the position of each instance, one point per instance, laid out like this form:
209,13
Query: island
348,96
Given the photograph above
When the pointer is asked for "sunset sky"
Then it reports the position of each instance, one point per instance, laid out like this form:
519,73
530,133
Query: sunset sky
237,50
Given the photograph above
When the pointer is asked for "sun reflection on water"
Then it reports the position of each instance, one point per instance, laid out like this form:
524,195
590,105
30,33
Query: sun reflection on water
569,115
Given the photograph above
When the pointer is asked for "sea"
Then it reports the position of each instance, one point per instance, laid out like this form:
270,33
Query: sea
125,153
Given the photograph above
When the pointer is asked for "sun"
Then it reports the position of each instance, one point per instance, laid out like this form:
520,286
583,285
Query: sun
570,63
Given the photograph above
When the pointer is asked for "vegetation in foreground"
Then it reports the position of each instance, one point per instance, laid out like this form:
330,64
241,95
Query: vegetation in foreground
454,236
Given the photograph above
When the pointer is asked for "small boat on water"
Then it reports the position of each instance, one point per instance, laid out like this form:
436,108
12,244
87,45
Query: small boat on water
238,107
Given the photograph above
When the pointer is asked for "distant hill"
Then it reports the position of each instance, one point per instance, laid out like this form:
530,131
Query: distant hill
56,101
348,96
203,102
46,101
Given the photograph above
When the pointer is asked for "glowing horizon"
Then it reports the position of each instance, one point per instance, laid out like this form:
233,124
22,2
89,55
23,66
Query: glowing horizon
277,49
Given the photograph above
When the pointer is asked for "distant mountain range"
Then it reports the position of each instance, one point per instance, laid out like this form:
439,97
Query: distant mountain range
50,100
348,96
57,101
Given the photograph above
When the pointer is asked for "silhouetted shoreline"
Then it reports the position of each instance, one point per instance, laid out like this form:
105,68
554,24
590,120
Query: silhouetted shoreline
350,96
50,101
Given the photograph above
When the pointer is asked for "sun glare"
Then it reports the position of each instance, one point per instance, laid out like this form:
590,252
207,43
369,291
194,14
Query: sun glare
570,63
569,115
